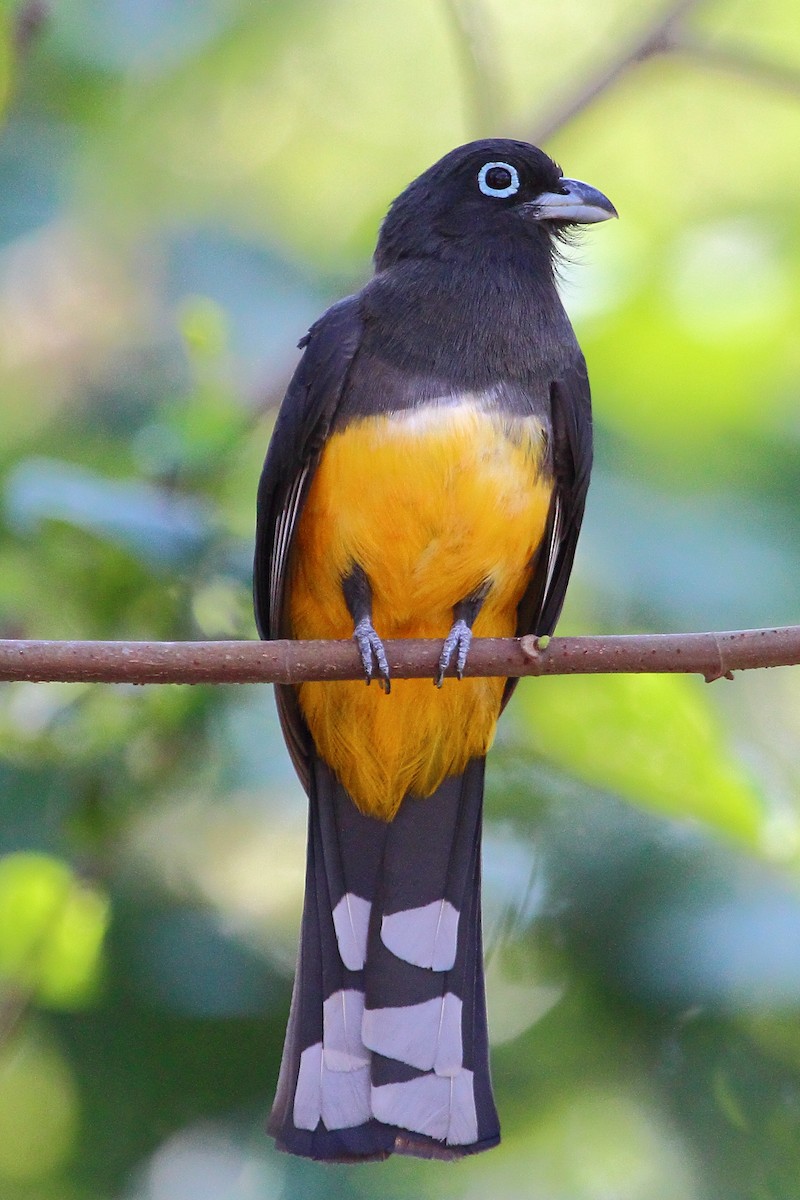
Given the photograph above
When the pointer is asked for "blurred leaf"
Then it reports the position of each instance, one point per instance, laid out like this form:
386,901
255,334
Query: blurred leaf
186,963
732,944
208,1162
664,556
592,1143
204,328
252,300
162,529
729,1103
38,1109
223,609
776,1033
654,739
52,927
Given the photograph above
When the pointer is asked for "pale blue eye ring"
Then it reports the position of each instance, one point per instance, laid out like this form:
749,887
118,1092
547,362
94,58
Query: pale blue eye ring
499,193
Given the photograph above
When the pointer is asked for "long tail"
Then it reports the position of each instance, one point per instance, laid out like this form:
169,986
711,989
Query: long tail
387,1047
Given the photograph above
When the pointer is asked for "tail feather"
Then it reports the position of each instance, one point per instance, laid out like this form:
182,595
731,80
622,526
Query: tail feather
352,849
322,1108
387,1047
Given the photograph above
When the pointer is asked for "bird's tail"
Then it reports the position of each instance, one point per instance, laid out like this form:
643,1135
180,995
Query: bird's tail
387,1048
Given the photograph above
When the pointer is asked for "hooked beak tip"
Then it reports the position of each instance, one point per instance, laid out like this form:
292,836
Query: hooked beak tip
577,204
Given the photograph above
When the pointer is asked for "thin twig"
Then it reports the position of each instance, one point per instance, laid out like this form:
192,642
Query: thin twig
736,60
656,39
476,51
29,21
14,1003
713,655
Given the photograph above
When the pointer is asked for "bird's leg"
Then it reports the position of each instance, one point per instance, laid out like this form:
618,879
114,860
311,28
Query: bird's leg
460,636
358,598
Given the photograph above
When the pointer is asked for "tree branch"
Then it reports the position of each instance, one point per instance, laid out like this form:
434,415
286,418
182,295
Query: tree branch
735,60
14,1003
30,18
712,655
476,52
658,38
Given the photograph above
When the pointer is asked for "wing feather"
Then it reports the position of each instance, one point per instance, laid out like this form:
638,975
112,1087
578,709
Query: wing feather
302,425
571,416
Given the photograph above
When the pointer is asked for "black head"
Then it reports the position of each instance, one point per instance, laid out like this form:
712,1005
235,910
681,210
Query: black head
490,188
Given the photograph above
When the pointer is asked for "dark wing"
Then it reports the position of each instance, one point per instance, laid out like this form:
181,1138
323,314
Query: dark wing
571,409
300,432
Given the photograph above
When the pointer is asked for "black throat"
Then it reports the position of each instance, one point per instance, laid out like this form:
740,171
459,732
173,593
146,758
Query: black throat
479,311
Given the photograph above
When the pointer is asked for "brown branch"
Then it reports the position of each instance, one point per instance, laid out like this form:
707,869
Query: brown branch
29,21
667,34
736,60
658,38
713,655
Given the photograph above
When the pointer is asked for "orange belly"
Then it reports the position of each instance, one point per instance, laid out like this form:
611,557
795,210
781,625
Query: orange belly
430,503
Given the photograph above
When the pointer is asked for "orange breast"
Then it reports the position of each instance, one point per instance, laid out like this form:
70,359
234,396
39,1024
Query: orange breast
430,503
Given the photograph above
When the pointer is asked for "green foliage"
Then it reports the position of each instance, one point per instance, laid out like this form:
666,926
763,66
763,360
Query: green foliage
185,185
52,931
38,1110
653,739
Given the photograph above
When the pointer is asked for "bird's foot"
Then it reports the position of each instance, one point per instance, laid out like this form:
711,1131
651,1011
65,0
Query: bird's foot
372,653
458,640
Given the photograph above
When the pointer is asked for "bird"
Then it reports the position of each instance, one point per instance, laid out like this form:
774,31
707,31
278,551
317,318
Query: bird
426,478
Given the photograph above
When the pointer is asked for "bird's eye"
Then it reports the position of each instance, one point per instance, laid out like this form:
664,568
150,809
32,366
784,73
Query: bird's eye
498,179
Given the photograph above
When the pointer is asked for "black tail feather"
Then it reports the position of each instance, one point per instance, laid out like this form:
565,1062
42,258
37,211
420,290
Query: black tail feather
382,899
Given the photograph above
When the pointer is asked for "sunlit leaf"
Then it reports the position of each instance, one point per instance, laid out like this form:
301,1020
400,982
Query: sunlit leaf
654,739
52,927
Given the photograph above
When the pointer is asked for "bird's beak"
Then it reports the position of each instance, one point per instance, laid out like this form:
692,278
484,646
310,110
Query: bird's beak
578,204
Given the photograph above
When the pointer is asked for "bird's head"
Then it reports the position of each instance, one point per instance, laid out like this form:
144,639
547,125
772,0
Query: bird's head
496,187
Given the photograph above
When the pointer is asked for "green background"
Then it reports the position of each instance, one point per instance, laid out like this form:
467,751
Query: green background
184,186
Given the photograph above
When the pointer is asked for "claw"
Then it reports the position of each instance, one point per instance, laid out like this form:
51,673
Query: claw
459,638
372,653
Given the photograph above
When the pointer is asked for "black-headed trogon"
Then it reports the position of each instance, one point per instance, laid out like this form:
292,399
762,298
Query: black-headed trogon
426,478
